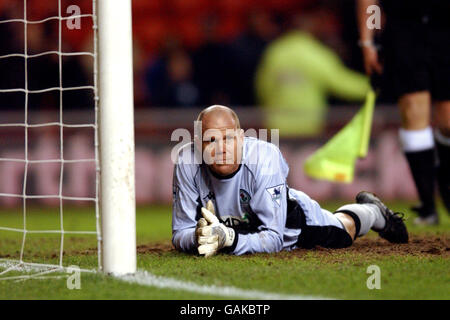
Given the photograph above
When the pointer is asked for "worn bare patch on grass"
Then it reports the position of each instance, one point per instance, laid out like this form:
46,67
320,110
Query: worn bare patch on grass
419,245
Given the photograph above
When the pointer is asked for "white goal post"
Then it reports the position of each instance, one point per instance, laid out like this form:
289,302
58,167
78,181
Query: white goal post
117,196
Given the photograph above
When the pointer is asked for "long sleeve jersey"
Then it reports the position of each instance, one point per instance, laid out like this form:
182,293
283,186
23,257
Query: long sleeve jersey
253,200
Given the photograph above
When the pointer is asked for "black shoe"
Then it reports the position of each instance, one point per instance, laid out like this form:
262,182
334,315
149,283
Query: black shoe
427,217
395,229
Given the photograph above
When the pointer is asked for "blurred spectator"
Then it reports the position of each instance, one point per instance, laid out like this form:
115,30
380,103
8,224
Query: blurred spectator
170,79
139,85
211,64
246,52
43,72
220,69
11,69
296,75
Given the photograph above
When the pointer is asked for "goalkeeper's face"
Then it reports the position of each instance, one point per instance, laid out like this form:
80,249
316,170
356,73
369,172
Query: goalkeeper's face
222,143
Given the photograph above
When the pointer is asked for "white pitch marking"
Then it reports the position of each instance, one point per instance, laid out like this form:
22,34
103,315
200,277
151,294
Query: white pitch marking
145,278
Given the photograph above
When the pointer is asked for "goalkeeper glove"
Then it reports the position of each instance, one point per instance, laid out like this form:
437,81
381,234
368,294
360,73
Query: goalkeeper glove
208,242
204,237
215,235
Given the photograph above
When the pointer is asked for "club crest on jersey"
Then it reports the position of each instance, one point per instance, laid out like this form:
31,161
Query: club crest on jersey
244,196
275,193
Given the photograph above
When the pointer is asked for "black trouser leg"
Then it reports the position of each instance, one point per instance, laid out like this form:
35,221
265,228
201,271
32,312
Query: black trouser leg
422,165
443,172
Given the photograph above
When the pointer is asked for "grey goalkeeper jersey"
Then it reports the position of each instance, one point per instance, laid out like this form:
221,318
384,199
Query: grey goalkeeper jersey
252,200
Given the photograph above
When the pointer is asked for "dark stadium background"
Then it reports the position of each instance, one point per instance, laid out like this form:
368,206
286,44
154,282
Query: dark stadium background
214,47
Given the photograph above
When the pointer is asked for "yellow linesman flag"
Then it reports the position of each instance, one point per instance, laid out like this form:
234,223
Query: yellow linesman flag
335,161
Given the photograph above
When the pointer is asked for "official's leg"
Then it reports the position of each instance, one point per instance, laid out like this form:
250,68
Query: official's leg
415,110
440,93
407,68
442,136
416,138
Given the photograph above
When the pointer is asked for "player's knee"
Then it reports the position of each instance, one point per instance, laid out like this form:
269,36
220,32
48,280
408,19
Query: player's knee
348,222
415,111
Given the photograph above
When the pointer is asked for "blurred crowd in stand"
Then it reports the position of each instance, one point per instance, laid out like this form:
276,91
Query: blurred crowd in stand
210,52
192,53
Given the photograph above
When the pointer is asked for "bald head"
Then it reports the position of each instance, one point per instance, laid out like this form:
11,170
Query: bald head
217,117
221,139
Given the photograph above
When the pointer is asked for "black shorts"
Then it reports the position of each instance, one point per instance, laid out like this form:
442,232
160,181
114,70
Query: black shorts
326,236
416,57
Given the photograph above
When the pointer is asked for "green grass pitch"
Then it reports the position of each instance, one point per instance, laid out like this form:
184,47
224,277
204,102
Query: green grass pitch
406,272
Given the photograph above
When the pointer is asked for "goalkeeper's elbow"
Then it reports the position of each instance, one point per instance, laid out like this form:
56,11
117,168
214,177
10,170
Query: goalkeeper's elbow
278,244
183,245
275,244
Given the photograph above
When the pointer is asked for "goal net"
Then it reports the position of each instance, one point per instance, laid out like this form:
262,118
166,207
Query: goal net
46,224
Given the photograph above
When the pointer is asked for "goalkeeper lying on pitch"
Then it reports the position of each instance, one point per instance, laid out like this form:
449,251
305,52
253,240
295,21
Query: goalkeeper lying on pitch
235,199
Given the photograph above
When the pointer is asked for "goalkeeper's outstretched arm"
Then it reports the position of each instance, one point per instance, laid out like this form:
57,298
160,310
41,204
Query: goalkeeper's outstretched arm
184,209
